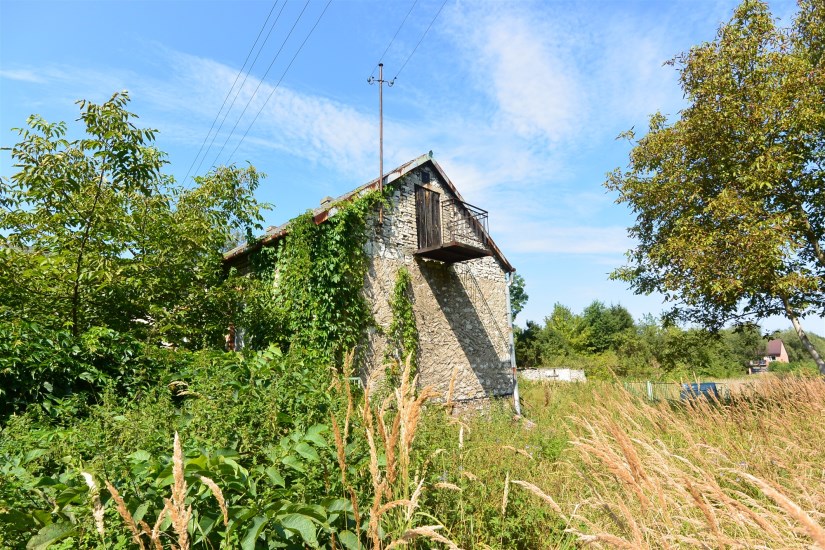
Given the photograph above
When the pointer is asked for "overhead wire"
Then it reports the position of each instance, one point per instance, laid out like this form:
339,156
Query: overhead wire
246,76
233,87
261,81
380,59
279,81
420,40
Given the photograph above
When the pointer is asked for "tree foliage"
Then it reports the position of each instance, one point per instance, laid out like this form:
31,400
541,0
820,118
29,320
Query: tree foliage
730,217
518,296
604,341
103,257
92,233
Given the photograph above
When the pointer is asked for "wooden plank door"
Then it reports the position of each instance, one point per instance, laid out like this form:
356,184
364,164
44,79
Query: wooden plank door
428,217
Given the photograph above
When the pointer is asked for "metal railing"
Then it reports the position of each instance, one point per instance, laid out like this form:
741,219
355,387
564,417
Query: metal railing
476,297
464,223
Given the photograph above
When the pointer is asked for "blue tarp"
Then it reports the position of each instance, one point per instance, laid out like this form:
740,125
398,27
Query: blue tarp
701,389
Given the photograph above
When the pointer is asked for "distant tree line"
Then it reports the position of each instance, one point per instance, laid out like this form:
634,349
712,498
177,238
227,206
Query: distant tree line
605,340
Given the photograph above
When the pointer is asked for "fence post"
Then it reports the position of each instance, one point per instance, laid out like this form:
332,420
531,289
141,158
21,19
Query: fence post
650,390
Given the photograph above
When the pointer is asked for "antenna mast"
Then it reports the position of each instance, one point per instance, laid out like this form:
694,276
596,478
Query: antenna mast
381,83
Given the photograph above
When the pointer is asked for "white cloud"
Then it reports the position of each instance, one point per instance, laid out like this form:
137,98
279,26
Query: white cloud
314,128
571,240
22,75
524,69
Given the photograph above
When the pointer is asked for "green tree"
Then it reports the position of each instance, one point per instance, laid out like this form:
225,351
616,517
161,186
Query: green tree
564,332
605,326
66,209
745,343
92,234
730,214
518,297
528,350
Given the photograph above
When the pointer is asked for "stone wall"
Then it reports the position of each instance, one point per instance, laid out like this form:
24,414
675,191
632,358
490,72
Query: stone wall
460,309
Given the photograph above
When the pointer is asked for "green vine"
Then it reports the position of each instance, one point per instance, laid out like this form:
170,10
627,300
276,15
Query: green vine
403,332
310,289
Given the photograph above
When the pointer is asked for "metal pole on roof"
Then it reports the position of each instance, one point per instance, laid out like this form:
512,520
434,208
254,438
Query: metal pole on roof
380,128
381,83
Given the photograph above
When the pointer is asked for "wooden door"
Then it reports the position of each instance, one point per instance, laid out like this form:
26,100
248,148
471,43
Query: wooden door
428,217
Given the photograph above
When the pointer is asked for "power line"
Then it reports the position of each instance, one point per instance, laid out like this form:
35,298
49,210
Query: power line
232,88
238,91
381,59
421,40
261,81
279,80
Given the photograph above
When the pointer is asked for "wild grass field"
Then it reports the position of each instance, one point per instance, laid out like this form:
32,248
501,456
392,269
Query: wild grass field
598,465
586,465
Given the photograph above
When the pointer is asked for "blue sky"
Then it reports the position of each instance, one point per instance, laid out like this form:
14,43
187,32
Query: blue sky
519,101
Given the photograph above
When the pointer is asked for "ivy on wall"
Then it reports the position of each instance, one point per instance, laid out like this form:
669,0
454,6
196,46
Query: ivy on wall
403,332
307,294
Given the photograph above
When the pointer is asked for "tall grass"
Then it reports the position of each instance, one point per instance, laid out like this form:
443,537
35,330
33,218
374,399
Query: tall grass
589,464
599,466
741,473
746,472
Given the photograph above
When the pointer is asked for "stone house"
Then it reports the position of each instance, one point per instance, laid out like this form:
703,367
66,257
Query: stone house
459,278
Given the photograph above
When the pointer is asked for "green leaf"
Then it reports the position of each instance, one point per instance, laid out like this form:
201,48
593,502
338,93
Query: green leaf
252,534
293,462
275,476
302,525
307,451
140,511
338,505
140,456
349,540
50,534
314,435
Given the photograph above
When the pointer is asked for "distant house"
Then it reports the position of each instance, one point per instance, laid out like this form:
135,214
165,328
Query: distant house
459,280
774,352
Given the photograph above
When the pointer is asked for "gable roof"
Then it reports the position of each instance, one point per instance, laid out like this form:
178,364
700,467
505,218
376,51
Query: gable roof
329,208
774,347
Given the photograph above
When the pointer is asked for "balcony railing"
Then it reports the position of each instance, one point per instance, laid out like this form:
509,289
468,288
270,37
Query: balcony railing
451,232
464,223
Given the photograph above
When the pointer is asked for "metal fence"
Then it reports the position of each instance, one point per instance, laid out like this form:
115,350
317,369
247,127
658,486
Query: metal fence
671,391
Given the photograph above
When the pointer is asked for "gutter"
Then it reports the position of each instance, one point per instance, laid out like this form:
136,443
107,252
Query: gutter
516,404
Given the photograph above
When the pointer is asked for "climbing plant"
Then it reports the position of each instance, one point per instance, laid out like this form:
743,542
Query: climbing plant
403,332
309,296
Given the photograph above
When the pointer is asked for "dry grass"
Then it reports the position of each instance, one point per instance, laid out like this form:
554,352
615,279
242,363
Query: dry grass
175,508
390,430
603,468
740,474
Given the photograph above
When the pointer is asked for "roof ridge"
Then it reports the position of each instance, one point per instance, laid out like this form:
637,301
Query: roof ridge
322,212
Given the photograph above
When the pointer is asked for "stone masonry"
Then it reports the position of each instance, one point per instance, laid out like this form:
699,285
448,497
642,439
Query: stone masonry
460,309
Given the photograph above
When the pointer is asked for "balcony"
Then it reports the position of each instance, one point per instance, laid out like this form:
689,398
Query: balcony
450,231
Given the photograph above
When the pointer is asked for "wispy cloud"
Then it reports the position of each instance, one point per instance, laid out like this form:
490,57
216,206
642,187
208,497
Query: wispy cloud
312,127
22,75
524,70
551,239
